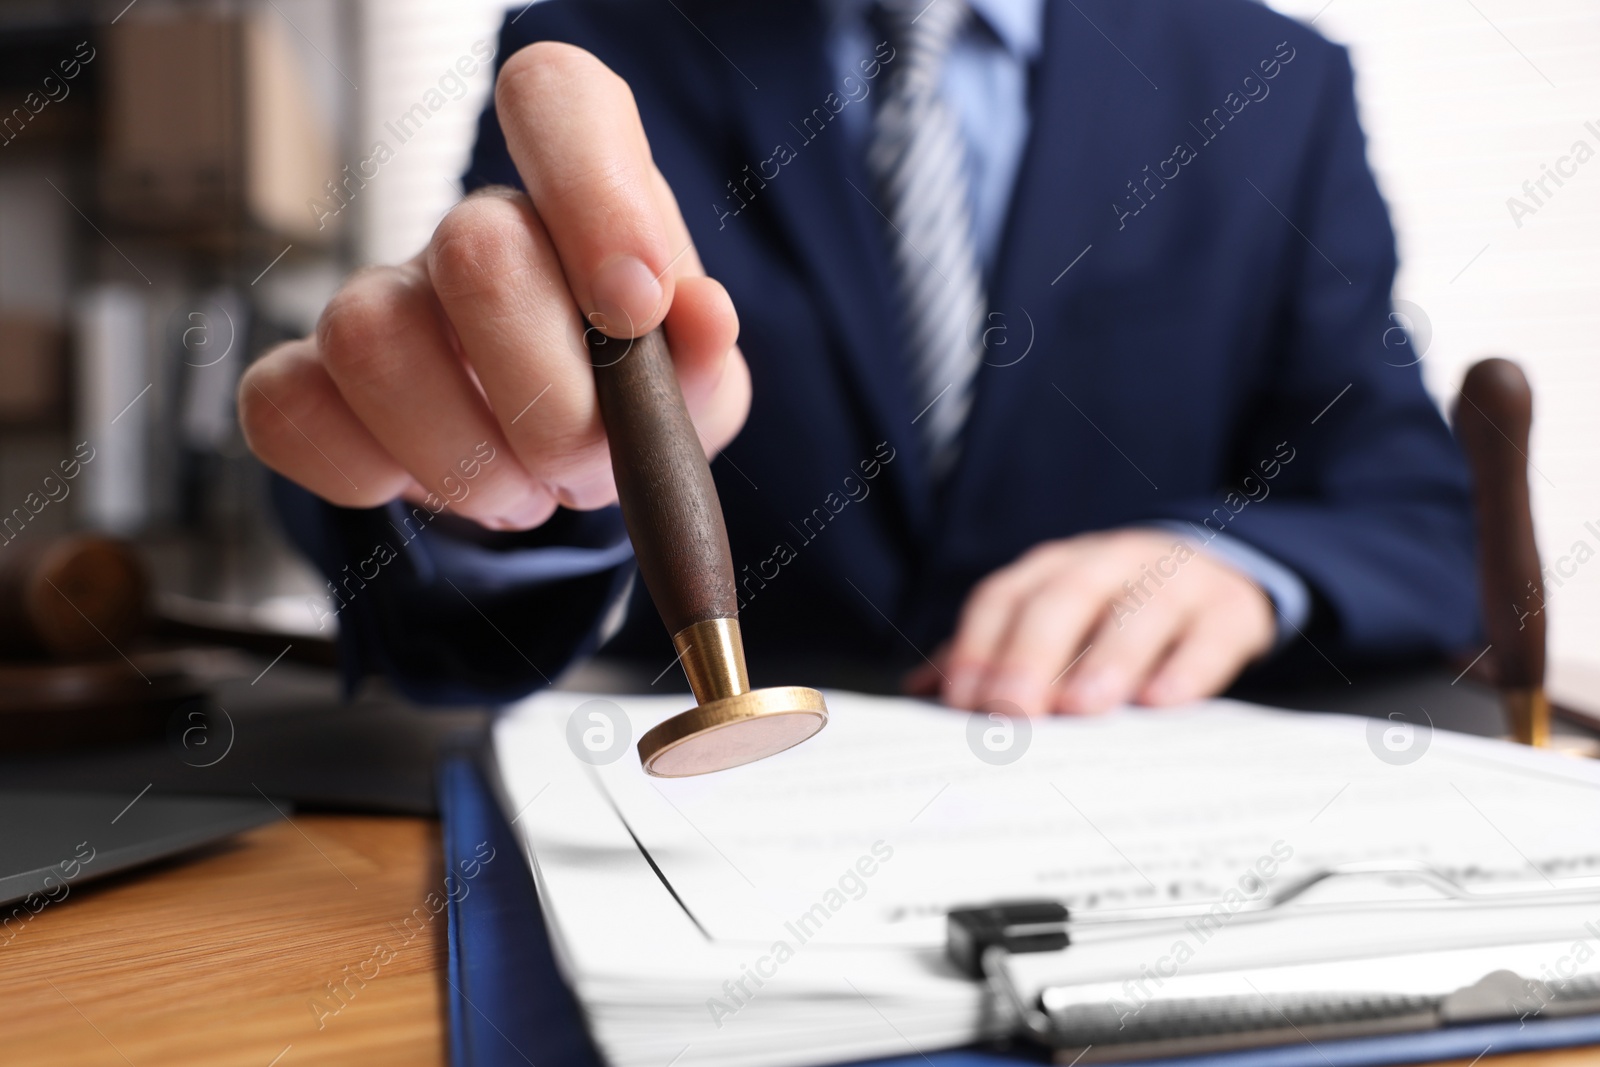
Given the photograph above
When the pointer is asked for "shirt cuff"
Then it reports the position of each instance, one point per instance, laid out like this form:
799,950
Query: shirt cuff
1290,596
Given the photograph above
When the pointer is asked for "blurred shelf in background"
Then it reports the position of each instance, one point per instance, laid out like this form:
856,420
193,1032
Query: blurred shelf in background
210,133
161,167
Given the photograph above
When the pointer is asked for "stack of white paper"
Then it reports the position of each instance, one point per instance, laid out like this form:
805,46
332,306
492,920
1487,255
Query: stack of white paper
792,911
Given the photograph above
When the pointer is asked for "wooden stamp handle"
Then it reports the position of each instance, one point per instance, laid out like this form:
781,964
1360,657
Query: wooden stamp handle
669,501
1492,420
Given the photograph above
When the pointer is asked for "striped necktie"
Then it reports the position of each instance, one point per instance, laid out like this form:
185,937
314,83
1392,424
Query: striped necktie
917,156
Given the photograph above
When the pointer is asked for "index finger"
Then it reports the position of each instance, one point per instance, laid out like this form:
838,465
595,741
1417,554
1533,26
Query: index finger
575,136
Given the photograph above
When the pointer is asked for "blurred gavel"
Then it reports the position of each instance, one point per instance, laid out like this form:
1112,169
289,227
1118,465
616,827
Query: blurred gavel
70,598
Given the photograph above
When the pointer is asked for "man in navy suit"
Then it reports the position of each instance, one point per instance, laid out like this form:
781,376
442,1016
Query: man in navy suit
1136,243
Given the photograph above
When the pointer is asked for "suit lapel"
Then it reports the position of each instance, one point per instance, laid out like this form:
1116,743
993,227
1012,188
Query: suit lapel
1052,221
824,202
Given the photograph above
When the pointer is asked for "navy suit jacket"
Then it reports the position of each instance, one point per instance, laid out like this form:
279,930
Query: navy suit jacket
1190,320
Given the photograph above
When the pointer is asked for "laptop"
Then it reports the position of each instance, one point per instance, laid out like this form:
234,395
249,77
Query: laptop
50,842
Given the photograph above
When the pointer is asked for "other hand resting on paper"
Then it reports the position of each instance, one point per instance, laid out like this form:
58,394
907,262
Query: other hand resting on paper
1083,624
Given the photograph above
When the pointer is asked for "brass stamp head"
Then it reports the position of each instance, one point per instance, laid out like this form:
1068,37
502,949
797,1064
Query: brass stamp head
733,724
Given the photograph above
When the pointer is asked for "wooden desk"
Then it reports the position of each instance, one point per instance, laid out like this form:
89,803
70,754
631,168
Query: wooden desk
216,960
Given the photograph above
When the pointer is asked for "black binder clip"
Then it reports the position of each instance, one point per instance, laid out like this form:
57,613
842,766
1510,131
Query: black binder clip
1014,927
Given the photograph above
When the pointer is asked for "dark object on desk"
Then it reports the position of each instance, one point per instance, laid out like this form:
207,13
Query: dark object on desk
90,702
77,624
674,520
294,734
50,842
71,612
71,598
189,620
1492,418
154,709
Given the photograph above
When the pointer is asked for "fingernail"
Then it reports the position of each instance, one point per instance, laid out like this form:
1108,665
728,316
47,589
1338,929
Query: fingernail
1015,693
531,514
1099,690
963,683
626,294
1162,691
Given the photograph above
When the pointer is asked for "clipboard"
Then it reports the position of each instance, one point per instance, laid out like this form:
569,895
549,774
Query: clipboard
1262,1003
509,1007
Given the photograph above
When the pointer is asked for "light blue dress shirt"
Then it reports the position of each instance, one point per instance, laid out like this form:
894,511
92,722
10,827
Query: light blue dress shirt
986,80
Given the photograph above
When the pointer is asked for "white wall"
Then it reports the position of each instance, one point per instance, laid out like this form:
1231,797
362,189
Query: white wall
406,46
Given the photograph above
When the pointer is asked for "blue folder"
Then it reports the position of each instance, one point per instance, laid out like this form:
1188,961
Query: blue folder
509,1006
